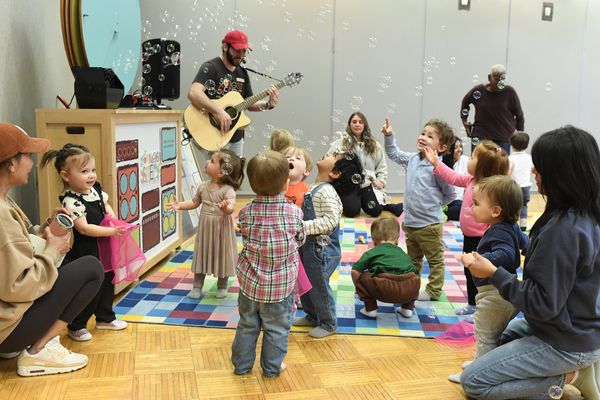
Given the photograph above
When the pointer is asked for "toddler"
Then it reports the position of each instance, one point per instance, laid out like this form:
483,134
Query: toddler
215,250
521,165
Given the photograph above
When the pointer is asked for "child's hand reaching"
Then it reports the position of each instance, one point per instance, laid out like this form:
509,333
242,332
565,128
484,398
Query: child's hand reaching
225,207
174,206
118,230
481,267
386,129
431,156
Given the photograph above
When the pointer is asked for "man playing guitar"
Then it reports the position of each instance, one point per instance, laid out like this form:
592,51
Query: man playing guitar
222,75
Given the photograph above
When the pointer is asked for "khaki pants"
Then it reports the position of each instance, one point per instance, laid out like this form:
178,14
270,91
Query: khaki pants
427,241
388,288
491,317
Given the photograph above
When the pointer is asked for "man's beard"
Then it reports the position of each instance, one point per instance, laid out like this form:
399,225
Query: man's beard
230,58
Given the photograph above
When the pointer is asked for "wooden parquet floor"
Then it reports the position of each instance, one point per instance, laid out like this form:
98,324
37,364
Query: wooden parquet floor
156,362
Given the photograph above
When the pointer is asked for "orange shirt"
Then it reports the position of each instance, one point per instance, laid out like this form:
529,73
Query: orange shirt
295,193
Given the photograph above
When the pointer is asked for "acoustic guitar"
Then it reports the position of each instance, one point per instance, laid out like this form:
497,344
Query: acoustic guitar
205,128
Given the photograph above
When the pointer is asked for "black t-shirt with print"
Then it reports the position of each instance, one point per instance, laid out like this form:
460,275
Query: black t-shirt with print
218,81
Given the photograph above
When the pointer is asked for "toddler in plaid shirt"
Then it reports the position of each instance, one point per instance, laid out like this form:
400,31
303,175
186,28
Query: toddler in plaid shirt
272,232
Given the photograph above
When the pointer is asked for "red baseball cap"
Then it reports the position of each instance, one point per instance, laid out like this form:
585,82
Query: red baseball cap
15,140
237,39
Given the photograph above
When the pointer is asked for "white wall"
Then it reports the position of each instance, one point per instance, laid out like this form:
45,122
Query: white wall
410,60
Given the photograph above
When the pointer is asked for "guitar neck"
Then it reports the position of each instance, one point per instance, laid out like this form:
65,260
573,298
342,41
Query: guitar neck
253,99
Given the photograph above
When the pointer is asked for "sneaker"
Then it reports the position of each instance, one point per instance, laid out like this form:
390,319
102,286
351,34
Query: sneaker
221,293
469,318
52,359
466,310
195,293
303,321
80,335
424,296
370,314
585,382
318,332
116,325
8,356
466,364
406,313
455,378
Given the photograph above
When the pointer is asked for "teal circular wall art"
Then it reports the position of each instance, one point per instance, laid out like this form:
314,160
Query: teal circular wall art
112,36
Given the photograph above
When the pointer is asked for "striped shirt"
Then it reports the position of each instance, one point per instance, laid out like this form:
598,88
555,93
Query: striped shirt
328,211
272,231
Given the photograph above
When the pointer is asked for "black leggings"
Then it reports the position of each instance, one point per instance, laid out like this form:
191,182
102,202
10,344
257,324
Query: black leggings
76,285
470,244
365,198
100,306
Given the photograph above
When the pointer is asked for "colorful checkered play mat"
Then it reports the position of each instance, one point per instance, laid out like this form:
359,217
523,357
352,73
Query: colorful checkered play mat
161,297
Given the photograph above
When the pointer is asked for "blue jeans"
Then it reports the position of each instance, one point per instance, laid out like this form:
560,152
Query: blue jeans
524,367
526,196
320,262
274,318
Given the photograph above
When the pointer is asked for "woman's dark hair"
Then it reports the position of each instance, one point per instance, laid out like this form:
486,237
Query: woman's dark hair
448,158
367,137
351,174
568,162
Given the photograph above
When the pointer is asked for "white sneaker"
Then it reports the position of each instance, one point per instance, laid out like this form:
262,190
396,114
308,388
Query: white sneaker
466,364
195,293
370,314
80,335
455,378
52,359
115,325
406,313
8,356
221,293
424,296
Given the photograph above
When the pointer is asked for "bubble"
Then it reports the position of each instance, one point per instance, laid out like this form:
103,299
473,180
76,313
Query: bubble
287,17
548,86
145,56
175,58
147,90
142,81
356,102
501,84
147,45
323,240
156,48
464,112
356,179
370,204
419,91
345,26
300,32
372,42
477,95
555,392
443,28
226,168
205,70
170,47
161,77
349,76
166,60
210,86
146,68
452,60
474,140
475,78
429,80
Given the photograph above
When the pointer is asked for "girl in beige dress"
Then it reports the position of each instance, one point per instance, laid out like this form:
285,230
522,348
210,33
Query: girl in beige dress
215,250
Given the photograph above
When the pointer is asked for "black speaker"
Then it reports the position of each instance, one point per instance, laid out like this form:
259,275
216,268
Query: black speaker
161,69
97,87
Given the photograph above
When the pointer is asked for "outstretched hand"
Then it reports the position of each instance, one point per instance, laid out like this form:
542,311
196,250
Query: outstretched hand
481,267
386,129
431,156
174,206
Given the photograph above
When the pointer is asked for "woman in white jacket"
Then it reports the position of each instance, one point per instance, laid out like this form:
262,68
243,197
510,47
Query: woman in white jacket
371,196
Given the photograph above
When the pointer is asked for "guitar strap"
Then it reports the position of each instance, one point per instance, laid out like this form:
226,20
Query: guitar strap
262,74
